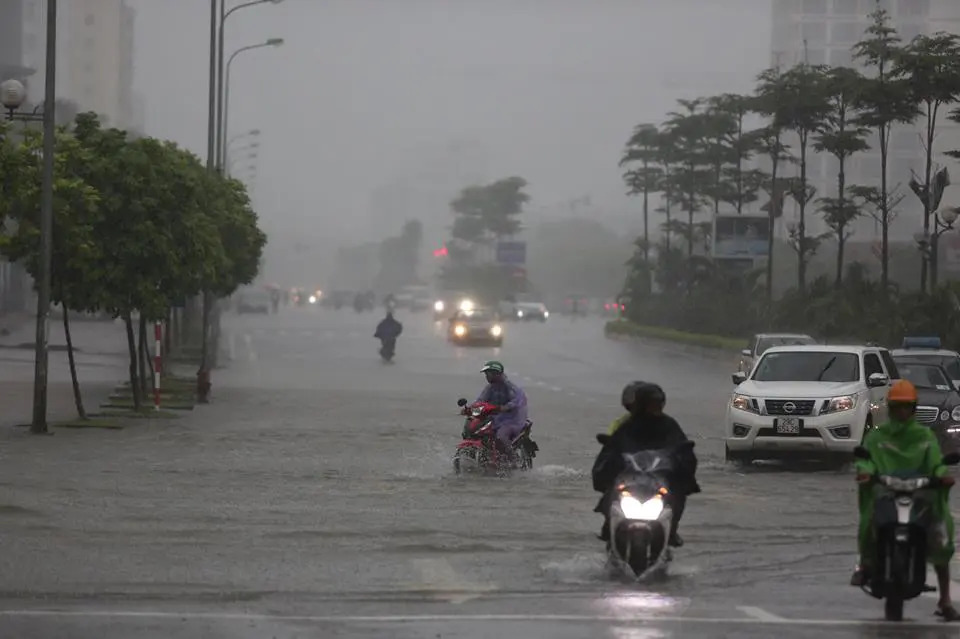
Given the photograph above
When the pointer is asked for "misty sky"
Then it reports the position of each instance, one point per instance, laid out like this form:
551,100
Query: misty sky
363,90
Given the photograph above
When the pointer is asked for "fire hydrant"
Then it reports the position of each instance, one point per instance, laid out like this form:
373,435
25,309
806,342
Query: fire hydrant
203,386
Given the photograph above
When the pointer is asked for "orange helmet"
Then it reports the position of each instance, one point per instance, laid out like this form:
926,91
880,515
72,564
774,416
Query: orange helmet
902,391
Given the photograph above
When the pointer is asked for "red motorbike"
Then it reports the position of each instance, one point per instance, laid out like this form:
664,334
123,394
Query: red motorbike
479,452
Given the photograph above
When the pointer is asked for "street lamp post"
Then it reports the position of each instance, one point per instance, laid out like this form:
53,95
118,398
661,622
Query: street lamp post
929,243
225,127
252,133
224,14
13,95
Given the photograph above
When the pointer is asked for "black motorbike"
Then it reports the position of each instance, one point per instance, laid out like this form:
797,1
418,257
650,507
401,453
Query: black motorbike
902,519
387,349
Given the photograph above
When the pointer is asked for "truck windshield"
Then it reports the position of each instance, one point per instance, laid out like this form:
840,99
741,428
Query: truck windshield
808,366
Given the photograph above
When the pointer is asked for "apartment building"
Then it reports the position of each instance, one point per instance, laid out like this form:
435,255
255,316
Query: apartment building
95,56
823,32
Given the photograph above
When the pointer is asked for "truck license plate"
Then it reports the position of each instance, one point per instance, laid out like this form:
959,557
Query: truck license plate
787,426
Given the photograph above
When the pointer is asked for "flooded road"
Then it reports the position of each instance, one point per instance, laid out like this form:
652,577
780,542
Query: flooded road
315,497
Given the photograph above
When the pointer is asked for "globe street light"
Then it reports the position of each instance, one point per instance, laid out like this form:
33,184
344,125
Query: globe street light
929,243
221,130
272,42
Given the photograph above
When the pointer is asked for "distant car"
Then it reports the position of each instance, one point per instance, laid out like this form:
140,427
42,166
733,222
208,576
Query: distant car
929,349
938,401
253,302
529,311
448,303
760,342
613,308
476,326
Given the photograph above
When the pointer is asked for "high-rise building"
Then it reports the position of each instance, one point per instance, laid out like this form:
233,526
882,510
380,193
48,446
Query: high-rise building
823,32
95,56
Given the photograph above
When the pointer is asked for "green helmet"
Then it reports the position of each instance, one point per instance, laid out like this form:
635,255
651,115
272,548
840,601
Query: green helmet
492,365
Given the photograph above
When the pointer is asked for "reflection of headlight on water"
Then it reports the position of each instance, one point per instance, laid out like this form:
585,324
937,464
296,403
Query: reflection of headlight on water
495,330
459,330
313,299
438,306
633,508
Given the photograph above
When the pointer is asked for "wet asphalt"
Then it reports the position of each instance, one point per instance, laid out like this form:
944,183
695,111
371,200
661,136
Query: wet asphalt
315,498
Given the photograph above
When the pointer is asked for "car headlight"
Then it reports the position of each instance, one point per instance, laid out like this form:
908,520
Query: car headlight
742,402
459,330
546,314
495,330
466,305
839,404
313,299
438,306
519,313
955,414
648,510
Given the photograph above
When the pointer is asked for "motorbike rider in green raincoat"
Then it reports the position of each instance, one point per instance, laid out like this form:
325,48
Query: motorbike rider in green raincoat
904,445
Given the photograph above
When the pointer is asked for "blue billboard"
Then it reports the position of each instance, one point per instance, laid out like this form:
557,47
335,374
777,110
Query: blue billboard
740,236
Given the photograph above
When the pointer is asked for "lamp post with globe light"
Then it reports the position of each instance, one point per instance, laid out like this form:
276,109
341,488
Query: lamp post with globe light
272,42
929,243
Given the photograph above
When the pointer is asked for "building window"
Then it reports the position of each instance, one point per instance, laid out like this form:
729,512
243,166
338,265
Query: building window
88,20
918,8
911,30
846,7
846,32
813,31
841,57
815,7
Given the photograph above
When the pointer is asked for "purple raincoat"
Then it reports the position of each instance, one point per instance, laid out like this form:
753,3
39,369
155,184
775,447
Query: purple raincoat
513,405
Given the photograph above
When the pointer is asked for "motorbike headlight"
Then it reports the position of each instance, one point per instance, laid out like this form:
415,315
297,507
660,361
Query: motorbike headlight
476,412
955,414
742,402
495,330
648,510
459,330
839,404
313,299
438,306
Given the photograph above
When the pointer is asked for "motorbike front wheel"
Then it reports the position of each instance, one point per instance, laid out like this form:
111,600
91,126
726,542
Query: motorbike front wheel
893,600
466,459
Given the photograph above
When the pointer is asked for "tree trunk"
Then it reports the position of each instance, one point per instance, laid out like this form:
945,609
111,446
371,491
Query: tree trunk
77,396
141,350
841,242
842,201
666,204
774,203
927,174
802,226
132,349
147,354
166,333
646,217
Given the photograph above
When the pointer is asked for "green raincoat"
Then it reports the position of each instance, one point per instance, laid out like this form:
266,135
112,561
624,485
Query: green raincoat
617,423
905,447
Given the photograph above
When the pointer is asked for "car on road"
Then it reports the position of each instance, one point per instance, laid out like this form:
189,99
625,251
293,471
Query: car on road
760,342
337,299
529,311
253,301
808,401
449,302
929,349
938,401
476,326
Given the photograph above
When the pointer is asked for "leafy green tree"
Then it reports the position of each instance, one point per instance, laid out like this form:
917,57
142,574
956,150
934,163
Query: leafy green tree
884,101
930,67
767,101
75,251
643,148
841,137
742,185
803,110
490,210
686,132
719,129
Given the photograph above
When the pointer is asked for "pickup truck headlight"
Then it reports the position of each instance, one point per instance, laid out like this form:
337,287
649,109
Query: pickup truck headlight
744,403
839,404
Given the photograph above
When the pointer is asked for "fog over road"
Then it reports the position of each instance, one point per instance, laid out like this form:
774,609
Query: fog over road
315,497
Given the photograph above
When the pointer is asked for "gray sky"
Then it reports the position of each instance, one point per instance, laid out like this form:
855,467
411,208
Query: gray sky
364,90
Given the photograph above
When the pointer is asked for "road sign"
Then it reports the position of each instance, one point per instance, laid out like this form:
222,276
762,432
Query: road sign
740,236
512,253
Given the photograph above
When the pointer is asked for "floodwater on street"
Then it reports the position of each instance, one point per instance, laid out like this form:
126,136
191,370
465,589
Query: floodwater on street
315,496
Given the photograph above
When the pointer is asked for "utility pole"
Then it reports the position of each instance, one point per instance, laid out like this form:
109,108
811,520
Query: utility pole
203,375
39,424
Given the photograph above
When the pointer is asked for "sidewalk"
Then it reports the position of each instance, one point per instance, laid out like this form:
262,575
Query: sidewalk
101,363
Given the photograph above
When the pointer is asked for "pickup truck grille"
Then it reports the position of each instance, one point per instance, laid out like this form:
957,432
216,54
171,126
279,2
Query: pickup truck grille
927,414
797,406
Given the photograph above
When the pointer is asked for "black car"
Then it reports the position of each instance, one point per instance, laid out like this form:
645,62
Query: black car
938,400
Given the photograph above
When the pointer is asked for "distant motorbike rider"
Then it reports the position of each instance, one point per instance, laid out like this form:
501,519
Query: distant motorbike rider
511,403
646,428
388,330
904,445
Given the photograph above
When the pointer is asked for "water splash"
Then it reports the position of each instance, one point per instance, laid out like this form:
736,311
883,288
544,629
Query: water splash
555,471
582,568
